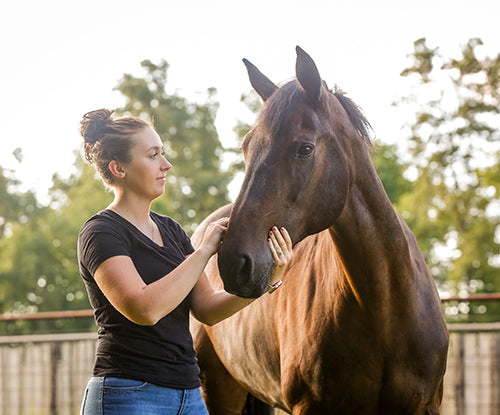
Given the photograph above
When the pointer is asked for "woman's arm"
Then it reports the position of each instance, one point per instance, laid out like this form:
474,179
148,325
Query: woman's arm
210,306
146,304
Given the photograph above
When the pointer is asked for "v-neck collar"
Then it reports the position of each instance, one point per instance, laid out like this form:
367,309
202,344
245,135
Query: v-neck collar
136,229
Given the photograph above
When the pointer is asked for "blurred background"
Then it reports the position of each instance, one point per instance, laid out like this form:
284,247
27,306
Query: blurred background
426,74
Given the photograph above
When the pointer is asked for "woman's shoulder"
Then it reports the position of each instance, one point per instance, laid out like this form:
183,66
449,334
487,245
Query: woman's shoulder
103,236
108,224
166,220
102,219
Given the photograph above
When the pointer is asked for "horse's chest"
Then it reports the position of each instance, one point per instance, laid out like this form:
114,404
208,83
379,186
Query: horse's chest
349,376
251,356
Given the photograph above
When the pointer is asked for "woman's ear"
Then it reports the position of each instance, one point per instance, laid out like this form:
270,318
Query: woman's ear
116,169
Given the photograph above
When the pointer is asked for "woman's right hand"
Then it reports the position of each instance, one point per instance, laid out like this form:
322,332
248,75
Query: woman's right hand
214,235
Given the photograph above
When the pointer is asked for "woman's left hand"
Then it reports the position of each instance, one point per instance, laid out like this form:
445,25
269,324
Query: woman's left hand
281,248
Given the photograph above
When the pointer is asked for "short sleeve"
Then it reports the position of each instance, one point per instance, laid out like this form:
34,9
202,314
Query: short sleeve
98,241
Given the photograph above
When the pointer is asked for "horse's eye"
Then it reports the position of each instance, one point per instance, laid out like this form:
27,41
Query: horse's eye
305,150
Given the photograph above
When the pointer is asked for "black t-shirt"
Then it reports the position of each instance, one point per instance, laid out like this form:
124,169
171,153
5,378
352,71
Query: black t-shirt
162,354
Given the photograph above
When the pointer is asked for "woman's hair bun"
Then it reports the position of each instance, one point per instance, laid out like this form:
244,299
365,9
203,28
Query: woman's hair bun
93,125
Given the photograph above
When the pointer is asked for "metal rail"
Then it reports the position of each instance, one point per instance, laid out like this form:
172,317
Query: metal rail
44,315
47,315
473,297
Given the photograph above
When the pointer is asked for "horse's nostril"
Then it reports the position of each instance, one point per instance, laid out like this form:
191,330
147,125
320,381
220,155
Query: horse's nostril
246,269
242,272
237,271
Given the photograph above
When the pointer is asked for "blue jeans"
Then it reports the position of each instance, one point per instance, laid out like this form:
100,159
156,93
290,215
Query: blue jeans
115,396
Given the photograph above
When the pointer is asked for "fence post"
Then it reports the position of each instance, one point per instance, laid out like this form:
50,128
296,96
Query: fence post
55,355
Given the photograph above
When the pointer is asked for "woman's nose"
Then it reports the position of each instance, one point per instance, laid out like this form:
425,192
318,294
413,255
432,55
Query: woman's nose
166,165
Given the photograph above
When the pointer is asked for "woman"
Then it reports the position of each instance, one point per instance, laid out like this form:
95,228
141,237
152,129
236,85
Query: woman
143,277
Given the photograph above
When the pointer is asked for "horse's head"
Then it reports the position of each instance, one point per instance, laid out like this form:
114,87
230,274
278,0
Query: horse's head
297,171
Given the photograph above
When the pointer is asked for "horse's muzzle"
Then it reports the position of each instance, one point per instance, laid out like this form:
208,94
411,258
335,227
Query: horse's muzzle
242,274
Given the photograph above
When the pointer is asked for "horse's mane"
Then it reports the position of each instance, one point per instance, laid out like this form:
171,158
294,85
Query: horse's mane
358,119
277,110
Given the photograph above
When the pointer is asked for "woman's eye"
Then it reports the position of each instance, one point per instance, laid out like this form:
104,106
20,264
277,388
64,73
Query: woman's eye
305,150
157,153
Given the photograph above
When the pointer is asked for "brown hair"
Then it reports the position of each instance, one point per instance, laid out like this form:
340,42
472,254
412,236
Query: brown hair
107,139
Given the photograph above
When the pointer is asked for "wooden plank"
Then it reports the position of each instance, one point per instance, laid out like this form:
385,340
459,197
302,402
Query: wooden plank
27,363
43,338
471,327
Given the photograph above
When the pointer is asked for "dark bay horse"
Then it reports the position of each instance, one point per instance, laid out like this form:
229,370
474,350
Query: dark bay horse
357,327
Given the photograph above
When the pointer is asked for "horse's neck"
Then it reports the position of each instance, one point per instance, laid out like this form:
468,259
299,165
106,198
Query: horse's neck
371,239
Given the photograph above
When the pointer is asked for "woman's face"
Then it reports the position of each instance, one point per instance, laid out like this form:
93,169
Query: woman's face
145,172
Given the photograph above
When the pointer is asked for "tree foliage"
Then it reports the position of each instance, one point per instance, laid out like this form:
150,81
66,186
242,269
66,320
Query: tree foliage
390,169
196,185
445,182
38,263
16,206
452,157
38,258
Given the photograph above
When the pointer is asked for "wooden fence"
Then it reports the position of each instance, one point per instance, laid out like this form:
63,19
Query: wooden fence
47,374
472,380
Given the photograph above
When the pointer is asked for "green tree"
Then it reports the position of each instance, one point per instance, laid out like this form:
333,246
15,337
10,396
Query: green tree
390,170
453,158
38,259
196,185
253,103
16,206
38,256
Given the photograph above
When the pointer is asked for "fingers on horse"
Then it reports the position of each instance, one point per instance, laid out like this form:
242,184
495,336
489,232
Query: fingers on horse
279,237
284,241
223,221
274,239
274,249
278,248
287,239
220,225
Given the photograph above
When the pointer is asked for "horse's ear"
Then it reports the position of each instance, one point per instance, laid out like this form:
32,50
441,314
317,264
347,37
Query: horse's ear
308,75
262,85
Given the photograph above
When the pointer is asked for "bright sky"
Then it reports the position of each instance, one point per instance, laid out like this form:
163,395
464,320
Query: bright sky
60,58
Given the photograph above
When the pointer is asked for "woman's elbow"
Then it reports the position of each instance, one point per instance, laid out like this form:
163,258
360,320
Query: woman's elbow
205,318
141,316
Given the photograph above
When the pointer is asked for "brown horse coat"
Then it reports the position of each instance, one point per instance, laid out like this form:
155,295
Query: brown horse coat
357,327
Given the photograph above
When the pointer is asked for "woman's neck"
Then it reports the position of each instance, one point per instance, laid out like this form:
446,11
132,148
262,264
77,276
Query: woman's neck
134,210
137,214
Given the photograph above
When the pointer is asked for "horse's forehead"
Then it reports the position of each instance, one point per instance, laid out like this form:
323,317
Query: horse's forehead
289,115
283,122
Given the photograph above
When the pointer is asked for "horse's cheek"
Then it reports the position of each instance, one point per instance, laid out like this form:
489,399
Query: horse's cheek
336,195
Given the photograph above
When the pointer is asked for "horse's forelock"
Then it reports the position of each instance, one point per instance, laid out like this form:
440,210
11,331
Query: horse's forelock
277,111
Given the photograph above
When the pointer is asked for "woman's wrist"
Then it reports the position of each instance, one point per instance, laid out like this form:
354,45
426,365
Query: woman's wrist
205,252
276,274
274,286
